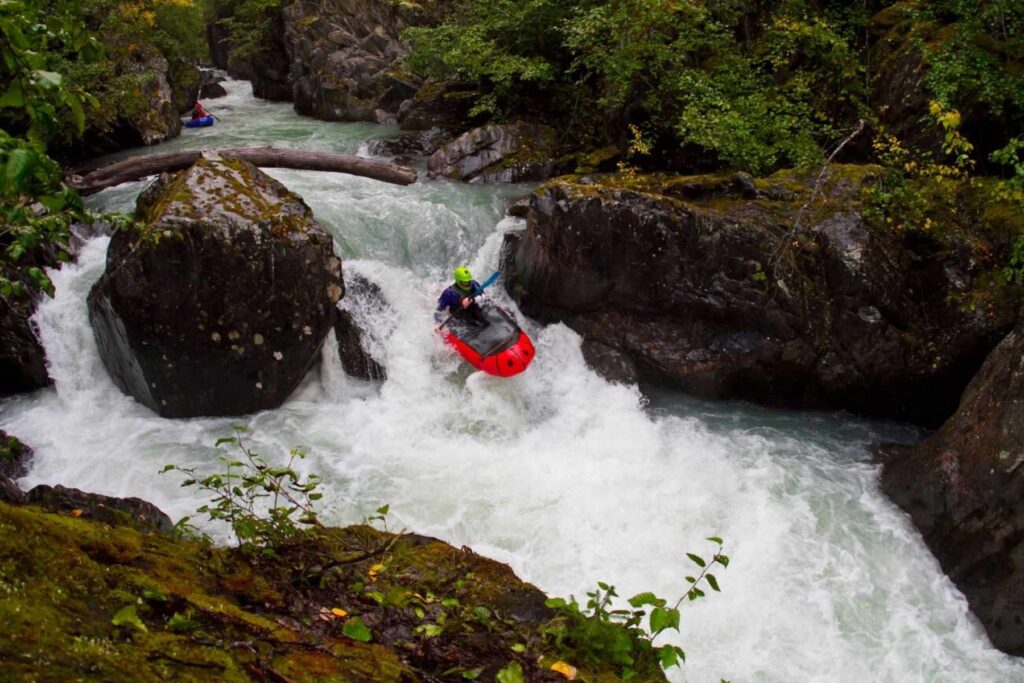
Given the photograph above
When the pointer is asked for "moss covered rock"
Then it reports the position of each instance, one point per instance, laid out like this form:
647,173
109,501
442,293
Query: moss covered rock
220,304
83,600
731,287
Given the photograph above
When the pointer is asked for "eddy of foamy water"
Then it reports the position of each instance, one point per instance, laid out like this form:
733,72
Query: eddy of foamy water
566,477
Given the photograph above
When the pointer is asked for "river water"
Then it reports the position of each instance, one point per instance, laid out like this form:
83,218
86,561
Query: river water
568,478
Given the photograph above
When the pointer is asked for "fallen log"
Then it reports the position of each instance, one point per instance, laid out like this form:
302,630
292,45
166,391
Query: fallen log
135,168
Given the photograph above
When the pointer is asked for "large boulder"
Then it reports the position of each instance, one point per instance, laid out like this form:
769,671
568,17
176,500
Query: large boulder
344,55
724,287
509,153
964,488
220,304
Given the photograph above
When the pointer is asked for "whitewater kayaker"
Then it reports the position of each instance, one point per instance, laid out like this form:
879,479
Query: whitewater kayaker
198,112
459,299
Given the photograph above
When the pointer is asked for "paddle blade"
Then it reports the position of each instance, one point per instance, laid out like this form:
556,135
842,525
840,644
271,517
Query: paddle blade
491,280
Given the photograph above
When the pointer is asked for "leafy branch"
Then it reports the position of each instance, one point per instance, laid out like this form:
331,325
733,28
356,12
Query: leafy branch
600,631
265,505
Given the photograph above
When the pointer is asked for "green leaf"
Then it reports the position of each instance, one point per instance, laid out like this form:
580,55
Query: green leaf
663,618
356,630
179,623
383,509
667,656
722,560
224,440
429,630
126,616
512,673
19,165
713,582
48,79
518,647
696,559
13,97
473,674
715,539
641,599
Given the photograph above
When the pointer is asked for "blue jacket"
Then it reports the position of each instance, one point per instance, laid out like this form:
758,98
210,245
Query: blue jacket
452,297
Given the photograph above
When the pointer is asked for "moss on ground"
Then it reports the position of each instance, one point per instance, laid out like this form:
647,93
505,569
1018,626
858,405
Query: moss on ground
82,600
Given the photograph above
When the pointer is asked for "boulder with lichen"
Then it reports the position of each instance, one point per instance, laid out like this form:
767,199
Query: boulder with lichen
219,304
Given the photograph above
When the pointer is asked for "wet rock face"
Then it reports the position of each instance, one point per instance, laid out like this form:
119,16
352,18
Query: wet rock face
271,67
22,358
963,488
717,295
343,57
134,513
14,456
507,153
220,305
363,302
444,105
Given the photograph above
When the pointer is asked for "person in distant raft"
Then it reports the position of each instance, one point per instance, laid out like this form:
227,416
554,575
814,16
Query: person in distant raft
198,112
460,298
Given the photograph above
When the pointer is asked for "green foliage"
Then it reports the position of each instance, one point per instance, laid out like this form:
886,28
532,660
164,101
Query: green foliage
247,22
1013,272
510,673
974,52
1011,188
600,631
126,616
265,505
674,69
355,629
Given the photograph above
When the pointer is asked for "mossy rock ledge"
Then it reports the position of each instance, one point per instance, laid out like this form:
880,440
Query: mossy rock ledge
220,303
723,286
82,599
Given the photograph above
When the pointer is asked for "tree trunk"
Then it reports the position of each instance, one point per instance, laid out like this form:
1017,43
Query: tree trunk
135,168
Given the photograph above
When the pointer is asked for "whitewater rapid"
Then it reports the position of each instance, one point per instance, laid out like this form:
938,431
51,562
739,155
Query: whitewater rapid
568,478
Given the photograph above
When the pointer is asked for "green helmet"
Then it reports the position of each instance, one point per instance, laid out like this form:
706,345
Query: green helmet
463,276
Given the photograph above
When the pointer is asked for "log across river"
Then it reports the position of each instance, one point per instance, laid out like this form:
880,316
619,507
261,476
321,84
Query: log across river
136,168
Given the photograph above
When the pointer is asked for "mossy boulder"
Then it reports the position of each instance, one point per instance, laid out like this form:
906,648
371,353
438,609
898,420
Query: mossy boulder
81,599
963,489
509,153
732,287
220,303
